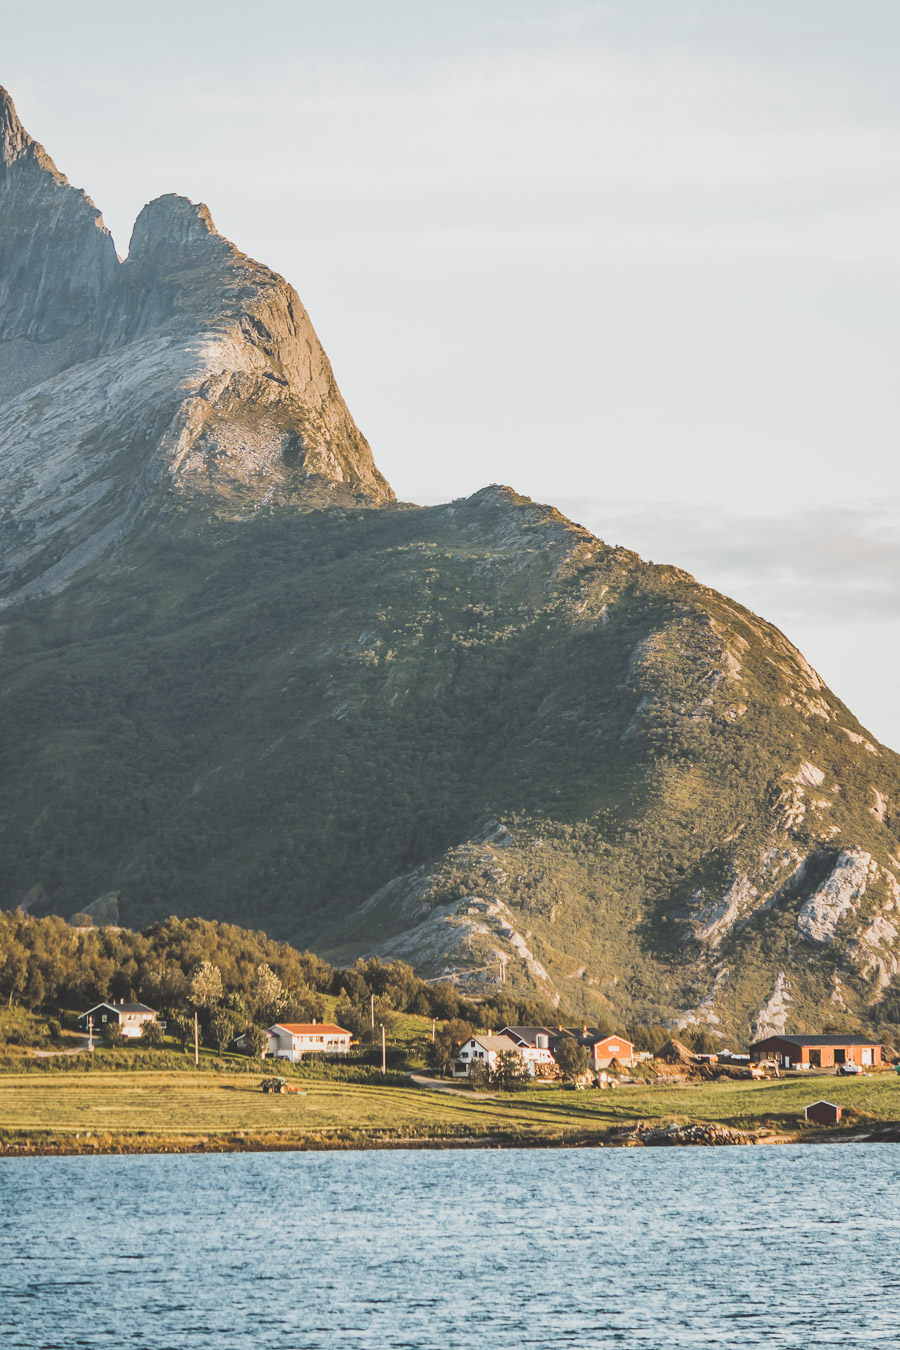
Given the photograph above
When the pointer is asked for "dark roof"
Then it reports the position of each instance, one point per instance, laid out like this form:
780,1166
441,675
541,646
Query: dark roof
528,1034
121,1007
849,1039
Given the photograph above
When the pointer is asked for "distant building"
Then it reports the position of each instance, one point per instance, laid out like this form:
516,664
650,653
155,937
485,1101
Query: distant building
823,1113
293,1040
534,1044
485,1050
129,1017
610,1048
816,1052
604,1049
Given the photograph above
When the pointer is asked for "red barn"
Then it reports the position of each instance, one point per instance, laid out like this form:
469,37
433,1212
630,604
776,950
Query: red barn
609,1048
823,1113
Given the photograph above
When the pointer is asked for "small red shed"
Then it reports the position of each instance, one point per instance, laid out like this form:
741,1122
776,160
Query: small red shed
823,1113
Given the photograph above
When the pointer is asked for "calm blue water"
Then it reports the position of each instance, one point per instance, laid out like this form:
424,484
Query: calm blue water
785,1246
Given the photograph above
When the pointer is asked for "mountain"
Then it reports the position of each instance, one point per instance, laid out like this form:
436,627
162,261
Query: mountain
187,368
240,680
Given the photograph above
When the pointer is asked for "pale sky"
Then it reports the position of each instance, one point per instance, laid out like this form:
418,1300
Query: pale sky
638,259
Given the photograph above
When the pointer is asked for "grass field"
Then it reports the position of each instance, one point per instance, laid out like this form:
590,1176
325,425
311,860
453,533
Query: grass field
178,1110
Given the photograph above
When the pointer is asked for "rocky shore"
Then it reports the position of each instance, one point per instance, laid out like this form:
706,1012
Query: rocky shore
643,1135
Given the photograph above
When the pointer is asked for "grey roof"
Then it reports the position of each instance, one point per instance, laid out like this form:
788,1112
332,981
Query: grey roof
849,1039
529,1034
122,1007
495,1042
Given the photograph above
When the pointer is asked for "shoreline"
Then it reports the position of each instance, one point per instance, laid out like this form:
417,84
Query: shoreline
92,1144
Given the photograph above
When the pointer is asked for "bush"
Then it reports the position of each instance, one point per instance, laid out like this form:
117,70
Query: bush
441,1052
112,1034
478,1074
222,1028
152,1034
573,1059
254,1041
510,1071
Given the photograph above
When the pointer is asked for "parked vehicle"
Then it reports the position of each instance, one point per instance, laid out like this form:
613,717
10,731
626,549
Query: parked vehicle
849,1067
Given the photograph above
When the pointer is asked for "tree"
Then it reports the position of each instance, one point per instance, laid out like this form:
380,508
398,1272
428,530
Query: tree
206,985
478,1074
266,994
152,1033
112,1034
573,1059
304,1005
182,1028
441,1052
164,985
357,1017
222,1027
510,1071
254,1041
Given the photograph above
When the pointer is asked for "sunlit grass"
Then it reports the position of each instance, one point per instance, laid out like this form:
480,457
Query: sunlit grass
172,1106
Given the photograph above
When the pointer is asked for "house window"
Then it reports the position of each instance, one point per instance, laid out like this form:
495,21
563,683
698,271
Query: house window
103,1018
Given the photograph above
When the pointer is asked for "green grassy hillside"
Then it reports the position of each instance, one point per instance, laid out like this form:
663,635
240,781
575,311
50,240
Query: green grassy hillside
455,735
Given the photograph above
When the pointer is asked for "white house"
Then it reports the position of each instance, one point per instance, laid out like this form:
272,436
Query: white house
482,1050
130,1018
293,1040
534,1046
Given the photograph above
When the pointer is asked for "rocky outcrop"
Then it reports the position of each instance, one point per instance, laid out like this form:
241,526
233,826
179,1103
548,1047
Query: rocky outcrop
837,897
188,367
772,1018
57,259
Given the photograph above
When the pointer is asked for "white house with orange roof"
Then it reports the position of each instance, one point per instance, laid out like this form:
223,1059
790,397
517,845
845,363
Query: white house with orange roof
293,1040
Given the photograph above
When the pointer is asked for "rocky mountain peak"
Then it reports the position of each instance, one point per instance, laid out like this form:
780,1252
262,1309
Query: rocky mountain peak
14,139
189,367
57,259
171,221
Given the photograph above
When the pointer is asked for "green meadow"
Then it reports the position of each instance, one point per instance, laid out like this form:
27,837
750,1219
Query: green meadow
136,1110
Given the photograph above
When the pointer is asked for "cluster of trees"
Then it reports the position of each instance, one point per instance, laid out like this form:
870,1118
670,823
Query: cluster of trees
235,980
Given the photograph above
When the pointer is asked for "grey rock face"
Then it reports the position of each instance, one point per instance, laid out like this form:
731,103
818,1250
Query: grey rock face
57,259
188,366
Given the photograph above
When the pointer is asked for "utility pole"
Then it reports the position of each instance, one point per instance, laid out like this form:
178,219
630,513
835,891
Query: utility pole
196,1041
372,1007
383,1052
432,1030
91,1034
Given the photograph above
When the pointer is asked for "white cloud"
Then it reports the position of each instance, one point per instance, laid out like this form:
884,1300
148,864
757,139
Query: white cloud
831,564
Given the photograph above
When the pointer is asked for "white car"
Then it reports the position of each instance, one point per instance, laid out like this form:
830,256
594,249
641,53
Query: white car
849,1067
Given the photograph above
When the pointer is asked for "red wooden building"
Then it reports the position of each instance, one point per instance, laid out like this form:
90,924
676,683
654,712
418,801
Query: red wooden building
823,1113
817,1052
603,1052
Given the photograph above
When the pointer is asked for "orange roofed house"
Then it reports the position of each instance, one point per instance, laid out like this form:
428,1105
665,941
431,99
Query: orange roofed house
293,1040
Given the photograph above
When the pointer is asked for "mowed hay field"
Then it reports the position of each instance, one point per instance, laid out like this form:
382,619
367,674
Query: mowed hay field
141,1109
176,1104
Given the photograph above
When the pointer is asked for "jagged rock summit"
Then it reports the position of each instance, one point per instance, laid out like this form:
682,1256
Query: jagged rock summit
187,367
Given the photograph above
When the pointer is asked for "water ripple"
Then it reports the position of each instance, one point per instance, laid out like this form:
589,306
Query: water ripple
683,1249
